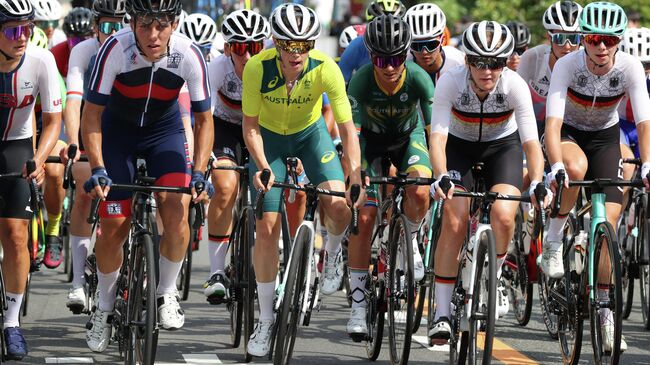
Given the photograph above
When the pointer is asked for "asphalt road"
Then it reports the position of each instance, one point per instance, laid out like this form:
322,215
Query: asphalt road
55,335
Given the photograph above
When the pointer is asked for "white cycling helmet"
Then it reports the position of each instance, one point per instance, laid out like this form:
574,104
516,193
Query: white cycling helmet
637,43
563,16
181,19
245,26
294,22
200,28
47,10
488,39
17,10
350,33
426,21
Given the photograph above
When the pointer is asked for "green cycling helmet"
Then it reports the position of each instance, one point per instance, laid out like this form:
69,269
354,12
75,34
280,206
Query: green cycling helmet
381,7
38,38
603,18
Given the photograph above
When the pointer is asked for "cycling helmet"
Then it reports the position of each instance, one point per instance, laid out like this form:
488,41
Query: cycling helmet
39,38
109,8
245,26
200,28
563,16
47,10
603,18
11,10
154,6
294,22
427,21
637,43
79,21
387,35
349,33
520,33
379,7
488,39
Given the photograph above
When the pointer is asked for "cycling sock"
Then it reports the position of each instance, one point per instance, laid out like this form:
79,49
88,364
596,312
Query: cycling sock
605,313
414,227
106,284
358,278
79,248
323,234
443,291
168,273
265,297
218,249
501,258
53,222
333,243
14,301
556,228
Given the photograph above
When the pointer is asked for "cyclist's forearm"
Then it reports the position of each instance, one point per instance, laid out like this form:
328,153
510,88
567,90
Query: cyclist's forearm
352,150
91,132
534,160
49,136
71,116
254,142
552,140
437,153
643,130
203,139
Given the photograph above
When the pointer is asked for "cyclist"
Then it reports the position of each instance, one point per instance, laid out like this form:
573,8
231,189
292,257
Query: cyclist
385,97
281,102
582,133
131,109
47,15
521,33
78,26
34,70
244,32
356,54
482,112
427,23
350,33
202,30
108,15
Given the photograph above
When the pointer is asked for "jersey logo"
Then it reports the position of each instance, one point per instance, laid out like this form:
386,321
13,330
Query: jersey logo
454,175
27,85
307,84
353,102
9,101
114,208
404,97
544,81
327,157
582,81
174,60
56,102
133,57
613,82
272,83
413,159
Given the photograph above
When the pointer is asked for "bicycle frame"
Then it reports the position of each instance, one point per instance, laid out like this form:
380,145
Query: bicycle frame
598,215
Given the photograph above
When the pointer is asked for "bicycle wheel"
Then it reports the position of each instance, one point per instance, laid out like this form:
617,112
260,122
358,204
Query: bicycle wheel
376,309
516,267
483,303
607,259
643,249
289,316
65,234
425,288
2,316
141,303
246,241
570,320
401,291
624,248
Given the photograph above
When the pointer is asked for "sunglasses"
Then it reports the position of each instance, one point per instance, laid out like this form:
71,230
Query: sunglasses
110,27
563,38
252,47
146,19
14,33
44,24
295,46
597,39
519,51
487,63
385,61
428,46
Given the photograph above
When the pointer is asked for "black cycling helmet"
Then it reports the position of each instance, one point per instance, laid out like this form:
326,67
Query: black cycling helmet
520,32
109,8
154,7
79,21
387,35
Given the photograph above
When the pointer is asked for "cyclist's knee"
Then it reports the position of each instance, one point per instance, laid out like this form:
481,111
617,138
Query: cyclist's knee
14,242
502,219
576,169
337,210
419,196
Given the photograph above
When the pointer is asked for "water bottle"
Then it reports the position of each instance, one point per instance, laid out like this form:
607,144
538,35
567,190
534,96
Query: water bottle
579,249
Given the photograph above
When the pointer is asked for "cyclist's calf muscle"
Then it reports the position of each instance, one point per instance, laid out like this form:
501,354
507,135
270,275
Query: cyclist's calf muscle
265,256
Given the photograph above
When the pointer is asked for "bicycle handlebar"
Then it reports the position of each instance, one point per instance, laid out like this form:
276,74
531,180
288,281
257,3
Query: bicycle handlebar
259,202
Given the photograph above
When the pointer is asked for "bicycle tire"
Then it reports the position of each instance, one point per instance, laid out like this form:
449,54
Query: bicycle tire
520,287
24,304
141,303
292,300
423,288
642,248
65,234
2,316
627,279
248,277
400,244
484,281
376,309
234,271
183,280
570,321
605,234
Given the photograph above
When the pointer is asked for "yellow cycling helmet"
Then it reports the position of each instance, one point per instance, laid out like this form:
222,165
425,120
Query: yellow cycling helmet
38,38
379,7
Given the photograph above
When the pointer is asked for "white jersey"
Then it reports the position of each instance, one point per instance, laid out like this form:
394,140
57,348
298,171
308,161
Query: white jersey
226,89
535,70
452,57
457,109
82,58
589,102
57,37
36,75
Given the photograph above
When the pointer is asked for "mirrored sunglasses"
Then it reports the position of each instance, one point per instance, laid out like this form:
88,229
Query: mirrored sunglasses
487,63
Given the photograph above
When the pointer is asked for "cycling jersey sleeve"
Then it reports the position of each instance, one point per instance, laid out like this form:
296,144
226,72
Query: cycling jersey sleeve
524,113
560,79
216,75
196,76
252,81
527,65
443,102
107,66
334,86
350,58
356,96
77,66
426,92
48,85
638,93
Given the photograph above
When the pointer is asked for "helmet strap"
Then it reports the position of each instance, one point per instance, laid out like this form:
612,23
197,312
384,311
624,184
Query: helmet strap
596,63
9,58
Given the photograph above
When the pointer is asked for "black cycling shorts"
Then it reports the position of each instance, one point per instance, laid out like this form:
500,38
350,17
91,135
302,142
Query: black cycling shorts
14,192
502,161
228,141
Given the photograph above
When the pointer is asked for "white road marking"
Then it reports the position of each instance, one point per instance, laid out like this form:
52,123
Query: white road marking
69,360
424,341
201,359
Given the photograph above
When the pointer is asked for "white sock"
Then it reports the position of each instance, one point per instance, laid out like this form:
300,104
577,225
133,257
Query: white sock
106,284
500,260
266,296
323,234
413,227
218,249
333,243
12,313
168,273
358,280
605,313
443,293
79,246
556,228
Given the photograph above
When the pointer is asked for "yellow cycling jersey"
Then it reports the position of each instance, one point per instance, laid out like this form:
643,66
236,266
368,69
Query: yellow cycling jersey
265,95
